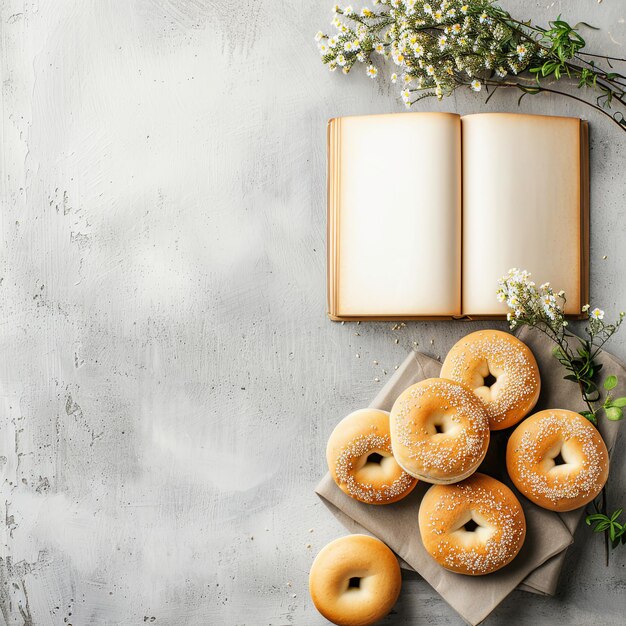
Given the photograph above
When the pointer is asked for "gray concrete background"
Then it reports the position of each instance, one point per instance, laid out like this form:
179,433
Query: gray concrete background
168,375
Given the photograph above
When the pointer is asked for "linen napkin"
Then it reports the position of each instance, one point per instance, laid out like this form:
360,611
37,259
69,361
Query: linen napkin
537,567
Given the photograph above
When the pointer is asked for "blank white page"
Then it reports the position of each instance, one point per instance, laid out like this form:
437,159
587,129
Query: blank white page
399,222
521,205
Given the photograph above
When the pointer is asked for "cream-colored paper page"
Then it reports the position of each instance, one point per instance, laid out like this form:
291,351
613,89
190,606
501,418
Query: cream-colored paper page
399,215
521,205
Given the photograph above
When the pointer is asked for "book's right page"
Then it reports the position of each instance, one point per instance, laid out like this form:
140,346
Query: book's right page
524,182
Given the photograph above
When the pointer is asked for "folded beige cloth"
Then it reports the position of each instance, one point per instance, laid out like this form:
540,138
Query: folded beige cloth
538,565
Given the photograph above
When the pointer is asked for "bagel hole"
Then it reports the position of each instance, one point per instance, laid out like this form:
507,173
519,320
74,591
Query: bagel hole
439,429
354,582
559,460
470,526
374,458
489,380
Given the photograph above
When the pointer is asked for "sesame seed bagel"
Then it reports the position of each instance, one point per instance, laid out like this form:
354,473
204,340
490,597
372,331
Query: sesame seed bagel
355,580
439,431
361,462
474,527
500,370
557,459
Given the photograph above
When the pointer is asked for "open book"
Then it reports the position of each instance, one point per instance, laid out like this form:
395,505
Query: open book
427,210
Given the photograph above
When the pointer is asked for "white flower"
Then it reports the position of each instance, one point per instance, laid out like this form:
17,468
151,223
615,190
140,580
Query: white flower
585,308
501,296
483,17
456,29
464,9
418,50
501,72
561,294
544,286
379,47
348,46
345,70
341,60
356,44
360,57
398,58
406,95
348,10
407,79
365,12
451,12
438,15
427,9
442,42
476,85
322,47
597,314
521,51
394,77
430,70
333,41
319,35
371,71
438,92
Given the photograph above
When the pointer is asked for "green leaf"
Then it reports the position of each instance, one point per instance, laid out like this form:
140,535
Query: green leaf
614,413
616,514
610,383
619,402
590,416
571,377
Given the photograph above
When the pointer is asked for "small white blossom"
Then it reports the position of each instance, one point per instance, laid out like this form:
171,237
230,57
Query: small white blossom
476,85
483,17
427,9
456,29
371,71
379,47
585,308
521,51
430,70
597,314
406,95
442,42
341,60
365,12
348,10
394,77
319,35
323,48
333,41
464,9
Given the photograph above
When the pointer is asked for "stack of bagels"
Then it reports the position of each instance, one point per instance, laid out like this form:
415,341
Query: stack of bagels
438,432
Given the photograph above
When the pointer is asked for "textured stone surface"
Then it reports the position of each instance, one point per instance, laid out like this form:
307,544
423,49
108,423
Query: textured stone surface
168,375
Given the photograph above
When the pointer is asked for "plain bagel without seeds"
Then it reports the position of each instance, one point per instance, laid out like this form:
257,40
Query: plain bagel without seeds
361,462
355,580
439,431
500,370
557,459
474,527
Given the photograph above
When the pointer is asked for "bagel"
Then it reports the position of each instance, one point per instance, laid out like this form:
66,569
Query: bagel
474,527
500,370
355,580
557,459
361,462
439,431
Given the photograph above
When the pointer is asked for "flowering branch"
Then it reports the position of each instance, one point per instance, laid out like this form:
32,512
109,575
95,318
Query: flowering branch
543,309
439,48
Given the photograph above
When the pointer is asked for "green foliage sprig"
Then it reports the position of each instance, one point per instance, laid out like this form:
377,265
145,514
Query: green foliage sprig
441,46
608,524
541,308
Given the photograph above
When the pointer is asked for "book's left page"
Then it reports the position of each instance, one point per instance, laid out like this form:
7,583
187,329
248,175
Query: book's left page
394,216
